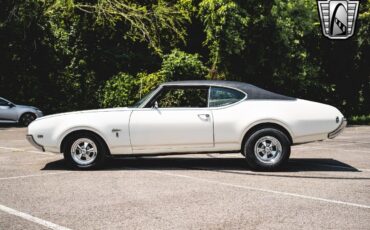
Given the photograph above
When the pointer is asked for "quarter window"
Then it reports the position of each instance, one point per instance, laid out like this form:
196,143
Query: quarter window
220,96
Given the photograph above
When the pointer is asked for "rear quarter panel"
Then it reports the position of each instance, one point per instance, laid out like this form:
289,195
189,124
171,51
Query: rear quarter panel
304,120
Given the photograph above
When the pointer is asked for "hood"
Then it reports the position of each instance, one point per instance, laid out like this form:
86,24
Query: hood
27,106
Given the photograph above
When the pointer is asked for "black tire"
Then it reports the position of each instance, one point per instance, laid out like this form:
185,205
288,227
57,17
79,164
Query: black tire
27,118
70,153
263,155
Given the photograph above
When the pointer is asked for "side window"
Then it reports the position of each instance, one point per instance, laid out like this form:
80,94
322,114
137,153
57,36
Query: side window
224,96
177,97
3,102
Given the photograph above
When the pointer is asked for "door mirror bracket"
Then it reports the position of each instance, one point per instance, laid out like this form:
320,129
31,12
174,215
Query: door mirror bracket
155,106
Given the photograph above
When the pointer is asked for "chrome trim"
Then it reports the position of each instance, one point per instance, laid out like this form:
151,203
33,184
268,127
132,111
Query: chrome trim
160,87
209,85
84,151
154,93
338,130
268,149
33,143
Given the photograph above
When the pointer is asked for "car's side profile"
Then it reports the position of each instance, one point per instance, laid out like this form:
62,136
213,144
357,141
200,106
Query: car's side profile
22,114
191,116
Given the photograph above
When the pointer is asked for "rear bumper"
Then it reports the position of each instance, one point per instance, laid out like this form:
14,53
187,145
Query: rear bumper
33,142
336,132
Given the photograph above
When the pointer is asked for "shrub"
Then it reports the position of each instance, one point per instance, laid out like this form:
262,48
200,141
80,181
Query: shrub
179,65
124,89
359,120
147,82
121,90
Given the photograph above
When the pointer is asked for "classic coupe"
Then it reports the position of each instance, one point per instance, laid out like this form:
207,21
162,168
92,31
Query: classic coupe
191,116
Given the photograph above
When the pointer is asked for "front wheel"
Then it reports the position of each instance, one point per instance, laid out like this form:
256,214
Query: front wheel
26,119
85,151
266,149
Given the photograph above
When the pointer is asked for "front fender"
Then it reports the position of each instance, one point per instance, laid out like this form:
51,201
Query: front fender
70,130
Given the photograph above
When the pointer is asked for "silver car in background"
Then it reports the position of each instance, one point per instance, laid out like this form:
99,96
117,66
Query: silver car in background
21,114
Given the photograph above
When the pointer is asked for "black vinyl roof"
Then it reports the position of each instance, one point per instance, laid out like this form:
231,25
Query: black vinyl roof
253,92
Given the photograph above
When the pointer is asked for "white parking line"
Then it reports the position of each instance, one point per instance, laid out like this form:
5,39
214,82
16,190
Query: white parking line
365,170
311,163
32,175
10,130
337,166
349,141
10,148
345,150
263,190
315,146
29,151
31,218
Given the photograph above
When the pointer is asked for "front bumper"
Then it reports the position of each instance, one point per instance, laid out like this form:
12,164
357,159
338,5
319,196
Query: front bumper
33,142
337,131
39,113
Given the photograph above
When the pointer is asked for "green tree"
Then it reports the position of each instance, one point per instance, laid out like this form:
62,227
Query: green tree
64,55
225,24
121,90
154,23
179,65
124,89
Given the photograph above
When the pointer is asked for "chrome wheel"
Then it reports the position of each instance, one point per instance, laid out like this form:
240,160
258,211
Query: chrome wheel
268,149
84,151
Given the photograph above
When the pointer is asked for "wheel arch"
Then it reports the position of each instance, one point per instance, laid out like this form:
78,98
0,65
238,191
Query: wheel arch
71,133
267,124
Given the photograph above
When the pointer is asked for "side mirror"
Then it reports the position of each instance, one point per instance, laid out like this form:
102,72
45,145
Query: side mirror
11,105
156,105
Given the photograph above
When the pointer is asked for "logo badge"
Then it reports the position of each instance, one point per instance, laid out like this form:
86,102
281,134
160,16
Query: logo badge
338,18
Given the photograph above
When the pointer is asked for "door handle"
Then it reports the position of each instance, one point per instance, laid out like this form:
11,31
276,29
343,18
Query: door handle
204,116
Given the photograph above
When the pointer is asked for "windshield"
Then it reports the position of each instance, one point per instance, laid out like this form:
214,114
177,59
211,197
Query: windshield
3,101
143,99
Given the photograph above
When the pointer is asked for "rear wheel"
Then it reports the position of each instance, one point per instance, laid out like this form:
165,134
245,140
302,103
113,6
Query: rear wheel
267,149
27,118
84,151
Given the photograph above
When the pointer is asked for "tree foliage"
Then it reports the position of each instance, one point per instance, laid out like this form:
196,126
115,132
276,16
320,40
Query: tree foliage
120,90
64,55
153,23
179,66
125,90
225,24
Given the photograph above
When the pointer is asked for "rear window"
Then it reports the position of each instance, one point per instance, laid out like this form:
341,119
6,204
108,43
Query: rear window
220,96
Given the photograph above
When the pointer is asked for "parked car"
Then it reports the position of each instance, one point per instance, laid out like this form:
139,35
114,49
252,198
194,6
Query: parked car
22,114
191,116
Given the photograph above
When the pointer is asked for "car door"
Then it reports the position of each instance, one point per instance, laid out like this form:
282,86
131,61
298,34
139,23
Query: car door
7,112
175,120
229,120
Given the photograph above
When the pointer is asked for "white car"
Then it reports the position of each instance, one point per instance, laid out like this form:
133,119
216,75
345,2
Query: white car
191,116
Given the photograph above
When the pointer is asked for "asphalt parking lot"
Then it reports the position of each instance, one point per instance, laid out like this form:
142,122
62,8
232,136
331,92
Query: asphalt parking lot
326,185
